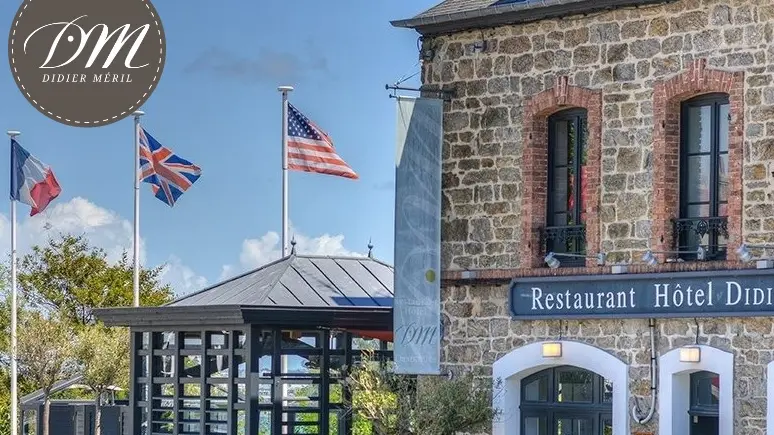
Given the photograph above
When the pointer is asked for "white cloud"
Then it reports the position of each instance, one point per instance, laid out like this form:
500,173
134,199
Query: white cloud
102,227
182,278
108,230
267,248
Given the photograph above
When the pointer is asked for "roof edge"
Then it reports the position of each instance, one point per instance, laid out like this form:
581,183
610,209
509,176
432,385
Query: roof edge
233,315
171,316
512,13
62,385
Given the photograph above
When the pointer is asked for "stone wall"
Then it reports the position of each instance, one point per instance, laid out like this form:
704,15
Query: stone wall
624,54
478,331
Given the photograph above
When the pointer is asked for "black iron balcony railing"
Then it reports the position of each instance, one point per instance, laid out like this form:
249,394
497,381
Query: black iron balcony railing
570,239
710,233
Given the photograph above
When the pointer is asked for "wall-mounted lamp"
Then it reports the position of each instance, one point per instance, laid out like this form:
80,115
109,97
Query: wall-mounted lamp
690,354
744,254
552,349
553,263
651,260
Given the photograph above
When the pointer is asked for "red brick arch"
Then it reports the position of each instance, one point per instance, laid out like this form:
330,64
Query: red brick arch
535,165
668,95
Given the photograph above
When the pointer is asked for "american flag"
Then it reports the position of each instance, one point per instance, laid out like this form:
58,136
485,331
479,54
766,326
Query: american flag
169,174
311,150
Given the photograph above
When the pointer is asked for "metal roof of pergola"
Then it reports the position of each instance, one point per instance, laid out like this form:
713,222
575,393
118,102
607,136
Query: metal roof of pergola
303,280
299,290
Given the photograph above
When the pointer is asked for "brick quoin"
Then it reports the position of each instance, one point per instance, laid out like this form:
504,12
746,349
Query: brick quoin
667,98
535,165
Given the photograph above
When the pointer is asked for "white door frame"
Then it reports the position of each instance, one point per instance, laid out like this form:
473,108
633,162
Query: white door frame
674,389
509,370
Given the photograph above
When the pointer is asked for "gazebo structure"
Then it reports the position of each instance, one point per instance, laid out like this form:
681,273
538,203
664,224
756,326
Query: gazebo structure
262,353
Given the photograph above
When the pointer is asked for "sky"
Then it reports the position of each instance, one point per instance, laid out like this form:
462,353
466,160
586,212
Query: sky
217,105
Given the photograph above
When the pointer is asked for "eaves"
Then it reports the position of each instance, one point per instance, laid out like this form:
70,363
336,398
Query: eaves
513,13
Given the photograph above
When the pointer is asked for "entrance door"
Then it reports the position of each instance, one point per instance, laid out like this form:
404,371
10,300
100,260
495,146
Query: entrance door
566,401
705,401
568,424
704,425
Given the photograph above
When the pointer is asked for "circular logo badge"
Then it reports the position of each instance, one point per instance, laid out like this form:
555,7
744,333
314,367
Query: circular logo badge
87,63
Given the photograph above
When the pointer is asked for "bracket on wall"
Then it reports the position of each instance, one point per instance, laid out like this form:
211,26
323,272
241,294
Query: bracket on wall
445,94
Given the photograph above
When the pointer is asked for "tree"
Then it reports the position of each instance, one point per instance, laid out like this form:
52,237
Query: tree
23,383
45,350
397,404
103,357
70,277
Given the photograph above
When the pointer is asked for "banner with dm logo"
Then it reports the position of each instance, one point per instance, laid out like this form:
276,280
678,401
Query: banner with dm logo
417,303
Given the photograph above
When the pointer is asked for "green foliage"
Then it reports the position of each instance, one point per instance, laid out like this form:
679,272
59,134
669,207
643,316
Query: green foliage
25,387
71,278
397,404
45,351
59,283
45,348
450,406
103,356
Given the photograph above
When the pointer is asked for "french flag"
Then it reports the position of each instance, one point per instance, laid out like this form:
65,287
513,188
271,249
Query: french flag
32,181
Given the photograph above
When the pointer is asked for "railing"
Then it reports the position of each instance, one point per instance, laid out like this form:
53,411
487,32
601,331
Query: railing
569,239
710,233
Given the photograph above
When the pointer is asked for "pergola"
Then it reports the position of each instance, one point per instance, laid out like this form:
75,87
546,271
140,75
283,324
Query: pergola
262,353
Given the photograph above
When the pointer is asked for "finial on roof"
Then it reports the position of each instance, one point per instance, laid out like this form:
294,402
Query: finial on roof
293,245
370,248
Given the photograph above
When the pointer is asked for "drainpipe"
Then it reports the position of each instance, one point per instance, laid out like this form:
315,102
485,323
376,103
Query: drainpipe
636,414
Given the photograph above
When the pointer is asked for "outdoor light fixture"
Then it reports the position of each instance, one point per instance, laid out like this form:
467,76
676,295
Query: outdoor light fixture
552,349
745,256
743,253
553,263
690,354
651,260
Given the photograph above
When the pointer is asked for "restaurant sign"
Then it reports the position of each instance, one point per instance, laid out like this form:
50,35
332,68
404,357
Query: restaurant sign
686,294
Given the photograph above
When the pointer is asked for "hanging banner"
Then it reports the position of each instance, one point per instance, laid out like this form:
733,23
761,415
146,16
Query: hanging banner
417,303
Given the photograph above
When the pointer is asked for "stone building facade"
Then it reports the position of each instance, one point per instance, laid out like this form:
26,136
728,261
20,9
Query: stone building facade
658,85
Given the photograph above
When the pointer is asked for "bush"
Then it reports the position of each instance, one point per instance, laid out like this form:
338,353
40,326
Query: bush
397,404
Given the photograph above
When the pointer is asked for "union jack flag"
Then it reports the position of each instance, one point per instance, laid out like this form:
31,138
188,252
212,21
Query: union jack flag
169,174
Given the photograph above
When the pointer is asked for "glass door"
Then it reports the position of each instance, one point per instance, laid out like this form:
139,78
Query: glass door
535,425
569,424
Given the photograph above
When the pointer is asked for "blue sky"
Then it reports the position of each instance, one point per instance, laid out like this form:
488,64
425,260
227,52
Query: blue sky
217,105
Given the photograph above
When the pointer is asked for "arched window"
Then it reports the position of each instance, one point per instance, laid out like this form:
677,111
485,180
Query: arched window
705,400
566,400
704,176
567,155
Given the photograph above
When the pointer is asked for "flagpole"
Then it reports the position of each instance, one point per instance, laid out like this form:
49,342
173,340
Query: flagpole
136,276
285,90
14,368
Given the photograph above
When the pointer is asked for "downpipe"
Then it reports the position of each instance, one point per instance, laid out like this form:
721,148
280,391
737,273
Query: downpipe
636,412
